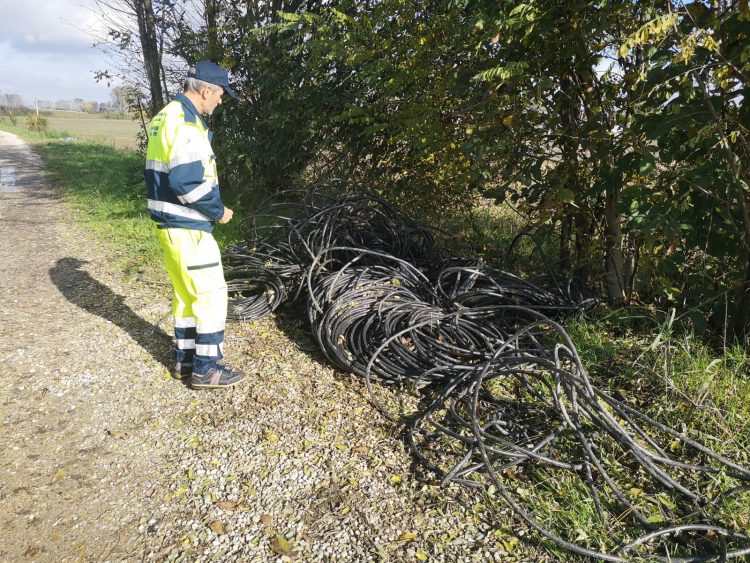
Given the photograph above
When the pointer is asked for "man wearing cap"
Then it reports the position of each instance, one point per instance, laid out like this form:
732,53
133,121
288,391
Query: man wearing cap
184,201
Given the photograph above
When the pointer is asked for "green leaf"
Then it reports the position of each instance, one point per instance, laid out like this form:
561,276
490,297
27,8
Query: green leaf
647,164
566,195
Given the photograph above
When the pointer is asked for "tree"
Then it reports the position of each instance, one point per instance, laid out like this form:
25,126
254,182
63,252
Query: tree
144,12
136,37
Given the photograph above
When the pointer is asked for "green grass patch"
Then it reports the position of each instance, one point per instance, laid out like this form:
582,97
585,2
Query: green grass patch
105,189
31,137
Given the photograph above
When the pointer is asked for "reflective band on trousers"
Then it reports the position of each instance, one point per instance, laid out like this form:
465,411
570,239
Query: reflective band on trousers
208,328
197,193
178,210
209,350
186,343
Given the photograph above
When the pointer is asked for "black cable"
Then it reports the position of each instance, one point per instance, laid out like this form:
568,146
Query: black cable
494,383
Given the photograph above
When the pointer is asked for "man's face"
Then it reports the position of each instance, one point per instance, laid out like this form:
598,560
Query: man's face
211,98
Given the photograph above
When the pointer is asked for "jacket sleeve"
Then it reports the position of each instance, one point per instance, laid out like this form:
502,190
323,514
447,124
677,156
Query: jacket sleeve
186,172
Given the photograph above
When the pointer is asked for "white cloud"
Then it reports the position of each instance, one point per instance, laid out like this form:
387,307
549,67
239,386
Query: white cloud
46,50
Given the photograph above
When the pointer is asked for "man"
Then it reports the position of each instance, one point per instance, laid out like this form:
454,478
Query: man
184,201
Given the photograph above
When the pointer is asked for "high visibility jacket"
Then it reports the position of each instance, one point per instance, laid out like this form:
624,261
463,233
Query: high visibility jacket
181,177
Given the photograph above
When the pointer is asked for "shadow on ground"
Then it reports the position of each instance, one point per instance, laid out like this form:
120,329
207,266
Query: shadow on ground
82,290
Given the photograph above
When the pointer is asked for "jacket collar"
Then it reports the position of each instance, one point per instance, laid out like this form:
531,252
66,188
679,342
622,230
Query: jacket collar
190,110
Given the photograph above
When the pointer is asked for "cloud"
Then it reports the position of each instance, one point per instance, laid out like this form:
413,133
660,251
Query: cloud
43,54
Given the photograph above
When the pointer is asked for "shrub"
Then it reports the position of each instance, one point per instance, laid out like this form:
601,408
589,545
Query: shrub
36,123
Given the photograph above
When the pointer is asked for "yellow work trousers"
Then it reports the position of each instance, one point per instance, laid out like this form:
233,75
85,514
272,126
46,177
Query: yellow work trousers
199,305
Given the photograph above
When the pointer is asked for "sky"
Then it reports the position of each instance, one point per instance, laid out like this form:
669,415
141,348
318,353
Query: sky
46,54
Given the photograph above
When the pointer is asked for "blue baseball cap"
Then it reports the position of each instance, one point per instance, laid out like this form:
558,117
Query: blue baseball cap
213,74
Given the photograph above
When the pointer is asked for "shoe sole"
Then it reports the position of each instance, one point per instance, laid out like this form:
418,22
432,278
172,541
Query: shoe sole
216,386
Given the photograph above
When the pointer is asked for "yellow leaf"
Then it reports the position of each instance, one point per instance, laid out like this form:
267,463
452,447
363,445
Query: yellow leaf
623,50
281,546
421,555
508,120
407,536
59,474
217,527
395,479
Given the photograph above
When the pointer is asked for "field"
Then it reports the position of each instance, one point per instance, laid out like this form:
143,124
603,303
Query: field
116,133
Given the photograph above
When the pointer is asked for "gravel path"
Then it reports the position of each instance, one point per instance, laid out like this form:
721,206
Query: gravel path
106,458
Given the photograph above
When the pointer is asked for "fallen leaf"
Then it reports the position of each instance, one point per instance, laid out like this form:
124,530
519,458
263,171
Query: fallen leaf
59,474
55,537
228,505
421,555
266,520
361,450
281,546
271,437
403,539
32,552
217,527
395,479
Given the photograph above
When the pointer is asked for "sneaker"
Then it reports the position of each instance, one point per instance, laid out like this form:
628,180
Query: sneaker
182,370
219,376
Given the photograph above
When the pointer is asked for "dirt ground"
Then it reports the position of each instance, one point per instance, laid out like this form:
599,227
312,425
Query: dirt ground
106,458
71,385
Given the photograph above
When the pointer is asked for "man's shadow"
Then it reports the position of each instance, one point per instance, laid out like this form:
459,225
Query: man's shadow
82,290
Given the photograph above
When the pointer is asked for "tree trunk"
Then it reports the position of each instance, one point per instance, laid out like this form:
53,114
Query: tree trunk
617,274
212,29
151,55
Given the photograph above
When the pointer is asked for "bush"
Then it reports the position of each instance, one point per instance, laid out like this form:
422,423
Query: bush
36,123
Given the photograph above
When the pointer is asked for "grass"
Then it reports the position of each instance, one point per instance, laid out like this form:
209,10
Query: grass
635,354
30,137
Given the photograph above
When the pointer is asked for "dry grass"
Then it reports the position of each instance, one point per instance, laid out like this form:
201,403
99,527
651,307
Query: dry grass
116,133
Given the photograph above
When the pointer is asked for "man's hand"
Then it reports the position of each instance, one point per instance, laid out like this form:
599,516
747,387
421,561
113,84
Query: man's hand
228,213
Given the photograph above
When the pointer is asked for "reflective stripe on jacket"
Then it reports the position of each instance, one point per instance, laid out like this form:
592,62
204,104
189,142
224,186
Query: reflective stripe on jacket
181,178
